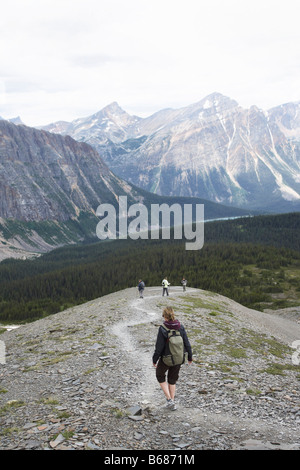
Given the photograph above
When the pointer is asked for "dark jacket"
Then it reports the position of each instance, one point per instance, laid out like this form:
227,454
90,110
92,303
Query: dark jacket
162,337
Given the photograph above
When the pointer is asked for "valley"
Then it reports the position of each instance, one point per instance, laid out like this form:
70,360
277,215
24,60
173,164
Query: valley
51,187
255,261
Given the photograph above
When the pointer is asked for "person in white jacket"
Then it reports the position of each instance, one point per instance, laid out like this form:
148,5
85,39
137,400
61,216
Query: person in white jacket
165,284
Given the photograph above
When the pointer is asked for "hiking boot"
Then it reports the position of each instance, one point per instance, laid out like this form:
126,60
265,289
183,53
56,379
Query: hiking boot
171,405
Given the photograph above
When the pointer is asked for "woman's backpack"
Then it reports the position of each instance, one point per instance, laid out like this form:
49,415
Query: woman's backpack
174,351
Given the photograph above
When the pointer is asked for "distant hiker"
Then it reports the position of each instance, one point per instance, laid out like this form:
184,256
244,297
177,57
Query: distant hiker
141,287
165,284
170,354
184,283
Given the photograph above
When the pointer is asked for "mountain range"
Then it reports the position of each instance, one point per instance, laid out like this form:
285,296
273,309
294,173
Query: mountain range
234,160
212,149
51,186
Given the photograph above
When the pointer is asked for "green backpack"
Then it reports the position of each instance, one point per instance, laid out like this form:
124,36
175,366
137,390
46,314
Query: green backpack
174,351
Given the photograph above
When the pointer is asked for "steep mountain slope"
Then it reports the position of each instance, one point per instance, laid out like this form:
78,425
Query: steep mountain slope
49,177
50,188
213,149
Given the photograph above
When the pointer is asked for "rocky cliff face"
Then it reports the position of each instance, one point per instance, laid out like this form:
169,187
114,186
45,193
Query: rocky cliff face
50,188
213,149
49,177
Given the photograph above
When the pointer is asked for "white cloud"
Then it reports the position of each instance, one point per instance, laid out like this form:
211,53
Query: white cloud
69,58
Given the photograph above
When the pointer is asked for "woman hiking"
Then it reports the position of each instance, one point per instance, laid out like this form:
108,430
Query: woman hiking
172,371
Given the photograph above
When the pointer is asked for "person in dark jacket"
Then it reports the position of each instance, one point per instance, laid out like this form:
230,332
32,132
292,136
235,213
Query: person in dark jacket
184,283
141,287
162,369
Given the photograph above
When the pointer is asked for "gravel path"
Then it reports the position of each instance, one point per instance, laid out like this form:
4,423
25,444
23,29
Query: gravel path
84,378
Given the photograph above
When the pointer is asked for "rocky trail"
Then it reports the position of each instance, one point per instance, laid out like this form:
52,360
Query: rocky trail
83,378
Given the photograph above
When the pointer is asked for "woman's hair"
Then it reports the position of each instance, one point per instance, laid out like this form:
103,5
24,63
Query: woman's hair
168,314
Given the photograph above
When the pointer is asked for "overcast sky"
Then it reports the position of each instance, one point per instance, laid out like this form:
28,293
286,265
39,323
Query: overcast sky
64,59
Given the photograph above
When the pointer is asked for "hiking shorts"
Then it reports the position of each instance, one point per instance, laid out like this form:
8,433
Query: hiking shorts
172,373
